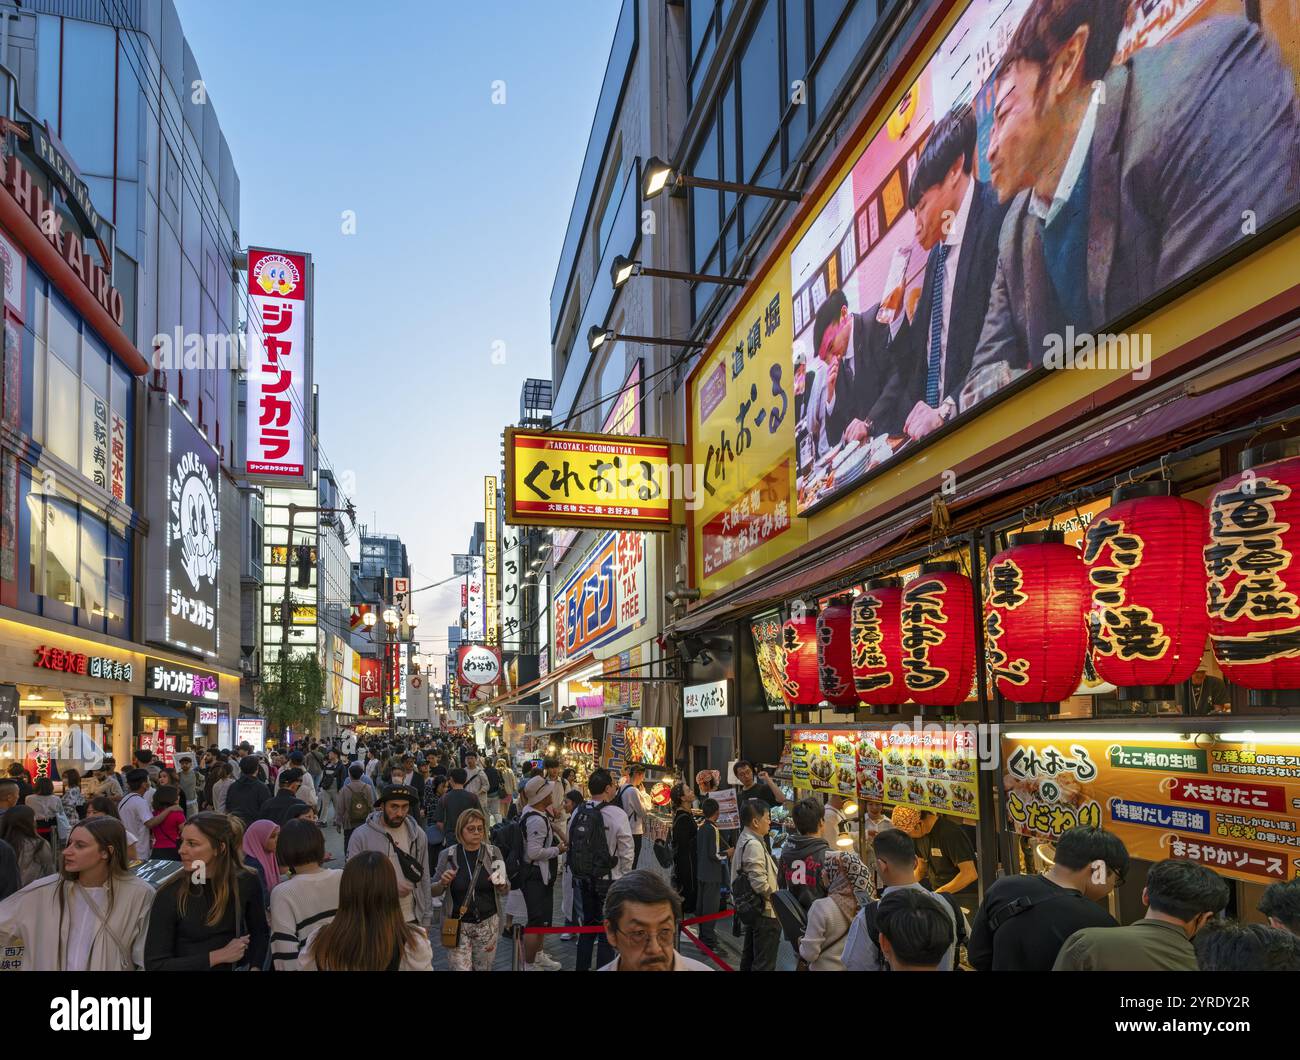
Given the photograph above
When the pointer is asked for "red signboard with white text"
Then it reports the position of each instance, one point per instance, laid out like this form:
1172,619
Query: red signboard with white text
279,368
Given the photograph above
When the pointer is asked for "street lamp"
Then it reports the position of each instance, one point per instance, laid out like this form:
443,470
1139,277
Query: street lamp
370,618
624,269
598,336
413,620
658,175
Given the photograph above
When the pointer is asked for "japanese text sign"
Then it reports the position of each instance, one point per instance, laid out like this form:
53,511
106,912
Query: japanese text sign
1234,806
279,367
561,478
603,599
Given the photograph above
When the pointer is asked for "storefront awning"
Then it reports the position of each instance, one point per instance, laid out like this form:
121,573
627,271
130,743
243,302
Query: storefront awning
1162,417
161,711
562,673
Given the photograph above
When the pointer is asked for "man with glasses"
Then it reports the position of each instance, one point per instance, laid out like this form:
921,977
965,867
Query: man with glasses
642,917
1024,920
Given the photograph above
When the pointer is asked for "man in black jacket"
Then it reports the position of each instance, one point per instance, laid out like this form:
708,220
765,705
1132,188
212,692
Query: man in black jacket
277,809
247,795
802,857
1024,920
457,800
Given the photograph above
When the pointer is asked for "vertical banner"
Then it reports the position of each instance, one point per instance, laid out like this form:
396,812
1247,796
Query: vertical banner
279,337
491,545
474,603
512,577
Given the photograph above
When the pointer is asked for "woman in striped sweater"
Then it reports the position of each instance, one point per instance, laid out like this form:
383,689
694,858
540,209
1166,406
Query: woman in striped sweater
308,899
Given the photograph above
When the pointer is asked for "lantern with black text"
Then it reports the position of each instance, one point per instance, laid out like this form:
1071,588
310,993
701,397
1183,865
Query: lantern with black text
1146,573
877,644
937,624
835,653
802,687
1035,618
1254,580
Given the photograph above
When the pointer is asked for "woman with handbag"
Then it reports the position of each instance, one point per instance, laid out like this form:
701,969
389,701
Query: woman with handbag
471,910
848,886
210,915
369,932
91,916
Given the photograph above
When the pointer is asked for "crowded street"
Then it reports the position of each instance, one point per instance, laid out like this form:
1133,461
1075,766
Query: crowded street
727,486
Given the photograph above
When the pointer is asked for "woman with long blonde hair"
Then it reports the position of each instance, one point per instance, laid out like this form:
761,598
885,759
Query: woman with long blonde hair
368,933
210,914
91,916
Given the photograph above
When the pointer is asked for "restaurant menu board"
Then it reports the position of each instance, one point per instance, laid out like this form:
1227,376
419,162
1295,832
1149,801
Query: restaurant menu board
647,746
927,770
931,771
1234,806
728,809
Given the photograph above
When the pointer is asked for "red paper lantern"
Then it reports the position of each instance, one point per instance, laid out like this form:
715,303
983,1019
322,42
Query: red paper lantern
1254,580
938,636
877,644
802,680
1146,569
1035,618
835,653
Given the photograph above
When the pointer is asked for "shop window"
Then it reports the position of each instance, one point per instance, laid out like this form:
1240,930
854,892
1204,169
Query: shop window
31,543
62,400
61,564
118,577
92,586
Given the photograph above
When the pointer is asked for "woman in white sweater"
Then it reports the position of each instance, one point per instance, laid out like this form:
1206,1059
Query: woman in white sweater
305,901
92,916
848,885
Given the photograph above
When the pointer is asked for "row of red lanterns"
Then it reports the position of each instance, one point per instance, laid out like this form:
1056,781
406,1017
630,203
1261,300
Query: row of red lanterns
1155,576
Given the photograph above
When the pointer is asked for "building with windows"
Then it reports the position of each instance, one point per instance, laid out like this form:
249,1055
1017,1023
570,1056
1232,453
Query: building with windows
114,134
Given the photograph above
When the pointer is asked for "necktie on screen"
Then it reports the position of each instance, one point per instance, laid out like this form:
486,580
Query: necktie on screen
936,330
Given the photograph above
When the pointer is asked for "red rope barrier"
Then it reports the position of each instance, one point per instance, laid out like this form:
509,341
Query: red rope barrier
708,952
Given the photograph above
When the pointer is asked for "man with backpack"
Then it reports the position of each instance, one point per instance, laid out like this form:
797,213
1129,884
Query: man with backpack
600,852
354,802
896,863
495,789
629,797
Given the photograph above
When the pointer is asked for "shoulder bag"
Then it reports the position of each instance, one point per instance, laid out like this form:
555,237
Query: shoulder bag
451,924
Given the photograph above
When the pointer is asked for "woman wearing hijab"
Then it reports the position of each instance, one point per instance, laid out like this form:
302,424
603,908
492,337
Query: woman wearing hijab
259,855
848,886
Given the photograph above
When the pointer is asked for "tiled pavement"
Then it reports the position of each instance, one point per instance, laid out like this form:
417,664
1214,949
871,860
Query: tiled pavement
566,952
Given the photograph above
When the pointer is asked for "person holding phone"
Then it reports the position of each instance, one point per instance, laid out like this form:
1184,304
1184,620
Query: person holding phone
467,871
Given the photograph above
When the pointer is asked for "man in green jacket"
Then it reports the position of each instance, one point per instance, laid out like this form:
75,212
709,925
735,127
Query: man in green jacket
1181,898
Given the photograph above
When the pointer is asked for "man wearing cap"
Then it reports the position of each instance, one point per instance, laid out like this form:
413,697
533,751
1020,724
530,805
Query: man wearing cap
391,830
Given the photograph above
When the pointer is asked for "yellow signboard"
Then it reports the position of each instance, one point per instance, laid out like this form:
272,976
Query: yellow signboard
562,478
1231,805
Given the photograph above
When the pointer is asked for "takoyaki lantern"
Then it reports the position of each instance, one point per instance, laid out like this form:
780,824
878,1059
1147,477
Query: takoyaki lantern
835,655
937,624
1254,579
802,685
1035,611
877,645
1146,569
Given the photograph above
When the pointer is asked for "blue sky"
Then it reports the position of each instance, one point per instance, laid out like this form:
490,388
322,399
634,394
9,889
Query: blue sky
386,109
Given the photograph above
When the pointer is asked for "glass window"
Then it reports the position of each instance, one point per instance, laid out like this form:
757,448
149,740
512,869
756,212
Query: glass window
94,363
612,199
704,203
796,40
727,130
62,420
61,542
64,333
33,414
31,534
92,590
760,92
825,14
701,14
119,579
837,60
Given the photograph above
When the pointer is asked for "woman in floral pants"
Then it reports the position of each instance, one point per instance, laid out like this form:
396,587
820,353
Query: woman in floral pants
465,878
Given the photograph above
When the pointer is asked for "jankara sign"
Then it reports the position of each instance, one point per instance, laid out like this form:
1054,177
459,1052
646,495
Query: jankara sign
561,478
181,682
840,361
187,549
279,368
603,599
1231,805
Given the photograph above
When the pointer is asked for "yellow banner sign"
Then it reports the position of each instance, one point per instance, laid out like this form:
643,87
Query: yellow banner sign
1231,805
561,478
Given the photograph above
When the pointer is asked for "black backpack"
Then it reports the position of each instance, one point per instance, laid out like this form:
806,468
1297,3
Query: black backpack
589,856
870,910
494,782
508,837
